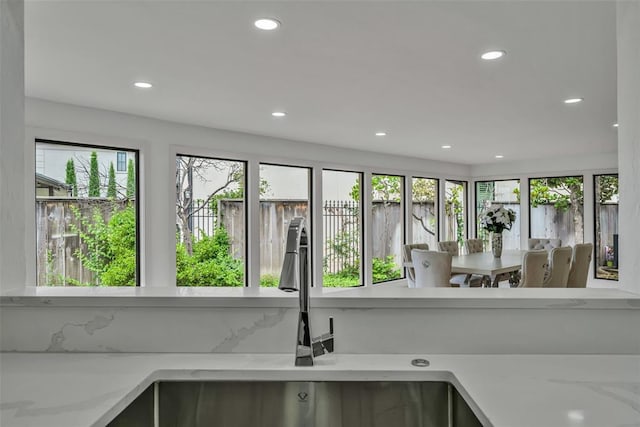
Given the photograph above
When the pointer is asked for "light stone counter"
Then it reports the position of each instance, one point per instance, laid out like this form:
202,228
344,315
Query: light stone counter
395,295
68,390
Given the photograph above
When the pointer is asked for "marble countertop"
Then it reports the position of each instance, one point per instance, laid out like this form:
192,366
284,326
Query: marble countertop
396,295
68,390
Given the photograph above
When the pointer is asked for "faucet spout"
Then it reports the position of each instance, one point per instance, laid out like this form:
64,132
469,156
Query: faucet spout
295,276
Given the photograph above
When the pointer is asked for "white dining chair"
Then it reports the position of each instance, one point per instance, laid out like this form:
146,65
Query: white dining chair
432,268
544,243
559,266
459,280
473,246
582,253
534,266
406,254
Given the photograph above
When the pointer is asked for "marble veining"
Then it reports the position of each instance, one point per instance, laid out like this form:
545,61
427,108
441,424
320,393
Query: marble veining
613,390
509,390
29,408
235,338
58,338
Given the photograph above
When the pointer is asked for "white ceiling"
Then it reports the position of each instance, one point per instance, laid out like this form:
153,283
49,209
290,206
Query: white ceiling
344,70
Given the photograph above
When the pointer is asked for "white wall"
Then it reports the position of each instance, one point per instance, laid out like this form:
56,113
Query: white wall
12,177
159,141
628,21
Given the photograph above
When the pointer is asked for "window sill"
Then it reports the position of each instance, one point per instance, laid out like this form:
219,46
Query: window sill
390,295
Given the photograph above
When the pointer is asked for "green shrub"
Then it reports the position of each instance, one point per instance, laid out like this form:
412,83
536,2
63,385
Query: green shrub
269,280
340,281
211,263
385,269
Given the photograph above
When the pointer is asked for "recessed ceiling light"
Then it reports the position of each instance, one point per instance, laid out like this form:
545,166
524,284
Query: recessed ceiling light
446,147
573,100
267,24
615,125
278,114
381,134
499,156
143,85
493,54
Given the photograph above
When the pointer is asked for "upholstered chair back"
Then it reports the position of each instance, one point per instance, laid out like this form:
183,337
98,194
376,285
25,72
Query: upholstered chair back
582,253
546,244
473,246
406,254
559,266
534,265
432,268
450,246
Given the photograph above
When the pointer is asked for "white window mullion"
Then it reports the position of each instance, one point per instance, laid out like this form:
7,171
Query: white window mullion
317,236
442,194
408,209
367,214
253,223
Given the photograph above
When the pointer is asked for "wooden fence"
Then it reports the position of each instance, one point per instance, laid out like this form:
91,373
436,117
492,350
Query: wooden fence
57,242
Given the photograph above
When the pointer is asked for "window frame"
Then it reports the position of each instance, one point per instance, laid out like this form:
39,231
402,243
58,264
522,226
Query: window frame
136,162
361,221
437,210
403,226
245,163
309,227
530,178
475,200
465,198
124,161
595,231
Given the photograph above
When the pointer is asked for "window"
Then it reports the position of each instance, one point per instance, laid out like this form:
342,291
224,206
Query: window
455,217
387,227
121,163
86,216
342,228
210,222
505,193
424,212
606,229
284,195
556,209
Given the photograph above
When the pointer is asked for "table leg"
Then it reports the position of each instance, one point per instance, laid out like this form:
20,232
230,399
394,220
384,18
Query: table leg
486,281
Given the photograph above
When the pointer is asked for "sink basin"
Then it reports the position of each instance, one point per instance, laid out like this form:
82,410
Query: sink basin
299,404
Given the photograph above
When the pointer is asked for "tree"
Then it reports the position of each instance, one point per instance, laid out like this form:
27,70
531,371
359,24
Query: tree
108,248
111,186
131,179
190,168
70,178
606,187
94,176
454,209
565,193
424,190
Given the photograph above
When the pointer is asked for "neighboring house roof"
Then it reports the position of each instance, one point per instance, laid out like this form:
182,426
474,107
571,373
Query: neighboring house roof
45,181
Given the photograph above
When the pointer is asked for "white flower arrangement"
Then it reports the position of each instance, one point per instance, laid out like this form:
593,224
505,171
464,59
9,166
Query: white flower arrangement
497,219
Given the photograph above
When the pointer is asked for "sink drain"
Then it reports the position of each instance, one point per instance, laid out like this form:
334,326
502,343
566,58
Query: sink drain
420,363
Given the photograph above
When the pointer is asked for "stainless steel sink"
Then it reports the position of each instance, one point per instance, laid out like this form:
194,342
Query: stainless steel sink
299,404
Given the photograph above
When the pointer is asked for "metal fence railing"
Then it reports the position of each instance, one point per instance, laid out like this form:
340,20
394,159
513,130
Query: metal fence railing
341,234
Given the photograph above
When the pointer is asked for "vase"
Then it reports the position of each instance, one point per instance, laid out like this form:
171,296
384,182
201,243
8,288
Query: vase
496,244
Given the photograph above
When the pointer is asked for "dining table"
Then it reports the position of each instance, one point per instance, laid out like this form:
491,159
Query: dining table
487,265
